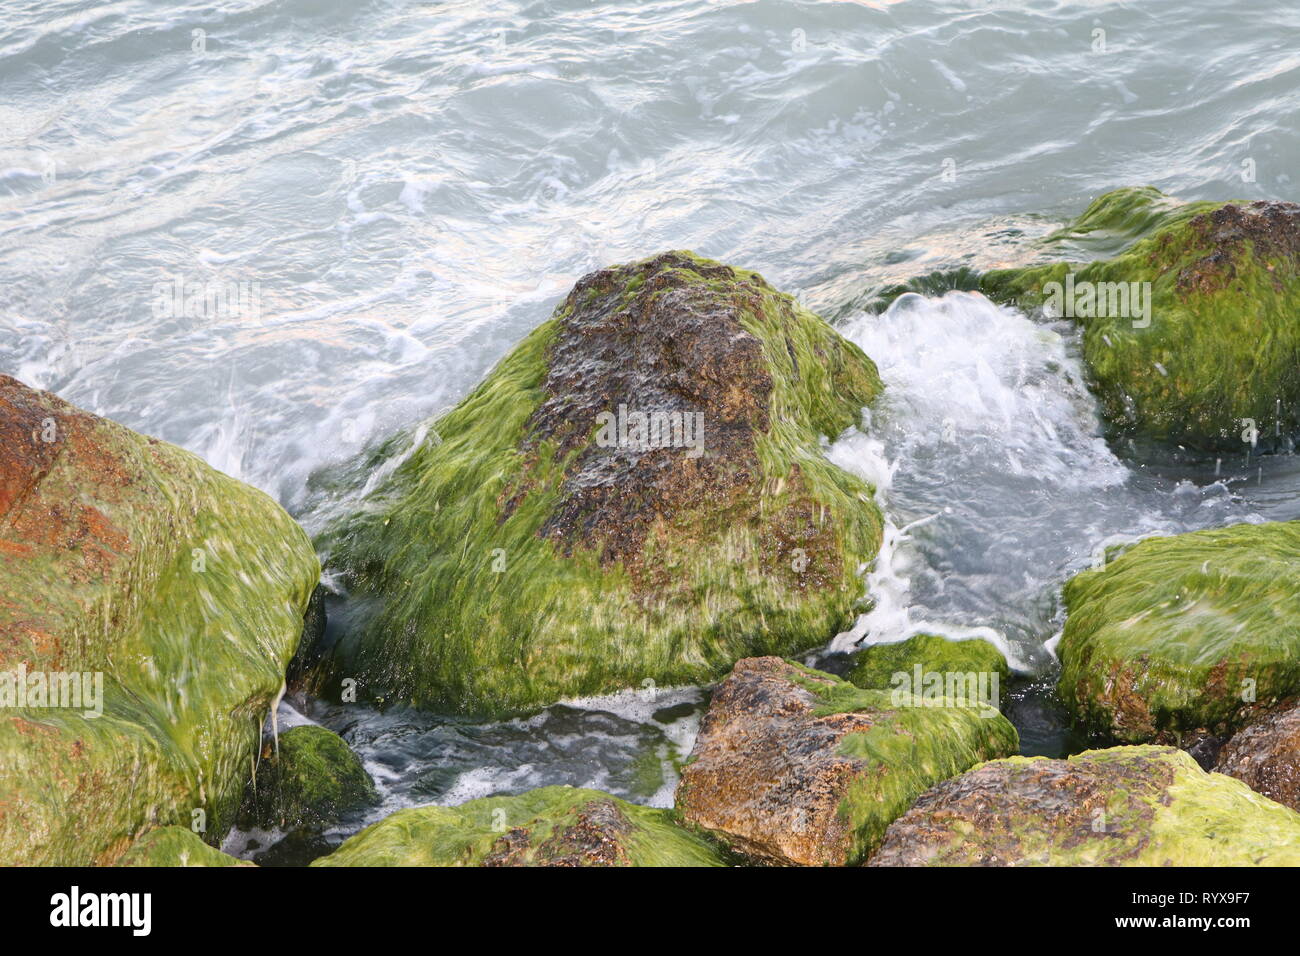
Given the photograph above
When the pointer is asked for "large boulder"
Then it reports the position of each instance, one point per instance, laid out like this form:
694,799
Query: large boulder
1210,355
1127,806
308,778
1266,757
175,846
794,766
1189,634
168,596
552,826
636,493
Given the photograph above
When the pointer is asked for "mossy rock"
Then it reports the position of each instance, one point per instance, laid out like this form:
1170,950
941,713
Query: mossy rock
126,557
1126,806
514,556
1223,341
552,826
309,781
794,766
1194,632
175,846
1266,756
878,666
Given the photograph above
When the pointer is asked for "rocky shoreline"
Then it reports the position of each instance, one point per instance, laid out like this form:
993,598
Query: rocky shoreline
637,497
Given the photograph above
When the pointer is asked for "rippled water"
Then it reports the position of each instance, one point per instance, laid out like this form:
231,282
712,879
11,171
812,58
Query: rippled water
413,186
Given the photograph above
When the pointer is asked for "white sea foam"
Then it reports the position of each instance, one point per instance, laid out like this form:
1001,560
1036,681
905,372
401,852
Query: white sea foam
988,461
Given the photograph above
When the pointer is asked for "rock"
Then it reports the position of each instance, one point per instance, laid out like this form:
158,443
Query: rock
1217,349
1266,757
520,552
305,679
178,592
879,666
1185,635
552,826
795,766
1127,806
311,780
175,846
1203,747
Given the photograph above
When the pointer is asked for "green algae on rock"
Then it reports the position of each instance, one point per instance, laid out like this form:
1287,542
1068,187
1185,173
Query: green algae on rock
1216,356
877,666
794,766
551,826
309,779
175,846
179,592
1126,806
549,544
1194,632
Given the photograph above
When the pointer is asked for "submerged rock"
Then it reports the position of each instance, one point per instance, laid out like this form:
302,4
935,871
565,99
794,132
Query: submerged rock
636,493
889,666
552,826
309,781
795,766
1266,757
163,598
1206,353
175,846
1185,635
1127,806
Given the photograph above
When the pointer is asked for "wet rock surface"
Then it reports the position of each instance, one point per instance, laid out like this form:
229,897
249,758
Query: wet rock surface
660,338
156,602
794,766
1125,806
1240,236
308,778
1266,757
885,666
1184,638
551,826
637,492
596,837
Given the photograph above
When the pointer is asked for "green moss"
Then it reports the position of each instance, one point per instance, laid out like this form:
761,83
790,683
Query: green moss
875,666
1222,343
1125,806
1172,634
1123,216
175,846
913,744
465,605
552,825
312,779
1209,819
185,590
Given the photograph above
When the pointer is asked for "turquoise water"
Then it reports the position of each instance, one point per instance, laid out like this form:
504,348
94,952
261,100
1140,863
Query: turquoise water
403,190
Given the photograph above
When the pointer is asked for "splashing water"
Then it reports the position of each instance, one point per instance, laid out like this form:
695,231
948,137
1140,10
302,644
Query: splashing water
988,458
